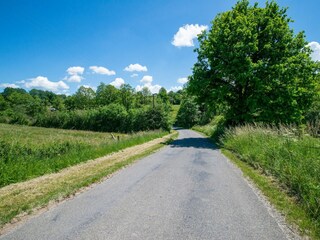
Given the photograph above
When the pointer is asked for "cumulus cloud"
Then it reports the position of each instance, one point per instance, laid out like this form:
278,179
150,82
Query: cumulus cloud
182,80
147,82
152,88
74,74
74,78
175,88
44,83
315,47
184,37
117,82
134,75
75,70
136,68
102,70
8,85
146,79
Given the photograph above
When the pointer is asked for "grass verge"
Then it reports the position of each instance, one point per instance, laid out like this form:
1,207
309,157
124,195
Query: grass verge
278,197
30,152
283,165
20,199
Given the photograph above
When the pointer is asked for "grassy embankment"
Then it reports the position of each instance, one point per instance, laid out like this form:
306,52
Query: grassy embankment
29,152
284,164
44,152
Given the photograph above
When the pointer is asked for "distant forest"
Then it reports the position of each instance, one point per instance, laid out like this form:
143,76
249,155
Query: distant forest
106,109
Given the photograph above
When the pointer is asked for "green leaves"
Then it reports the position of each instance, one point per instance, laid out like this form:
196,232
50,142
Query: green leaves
188,114
251,62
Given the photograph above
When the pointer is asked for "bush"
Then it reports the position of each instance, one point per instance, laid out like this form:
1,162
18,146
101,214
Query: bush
188,114
110,118
157,118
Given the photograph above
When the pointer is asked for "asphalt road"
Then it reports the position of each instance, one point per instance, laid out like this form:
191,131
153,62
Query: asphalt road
187,190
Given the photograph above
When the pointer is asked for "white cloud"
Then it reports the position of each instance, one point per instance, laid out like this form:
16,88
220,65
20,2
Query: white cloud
175,88
117,82
74,78
21,82
102,70
146,79
134,75
74,74
44,83
75,70
136,68
184,37
152,88
9,85
315,47
182,80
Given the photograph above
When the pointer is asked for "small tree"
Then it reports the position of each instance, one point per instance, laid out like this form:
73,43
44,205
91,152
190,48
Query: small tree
127,96
251,62
84,98
188,114
163,96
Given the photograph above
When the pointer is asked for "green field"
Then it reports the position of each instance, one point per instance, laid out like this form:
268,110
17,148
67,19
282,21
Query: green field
29,152
173,113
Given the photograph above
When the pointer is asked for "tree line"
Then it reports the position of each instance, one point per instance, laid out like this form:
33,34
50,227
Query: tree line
252,67
106,109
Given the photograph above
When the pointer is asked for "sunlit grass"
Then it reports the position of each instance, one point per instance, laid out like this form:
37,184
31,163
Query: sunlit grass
174,113
29,152
293,160
283,162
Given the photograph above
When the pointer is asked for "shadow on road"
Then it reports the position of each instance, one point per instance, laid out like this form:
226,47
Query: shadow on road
193,143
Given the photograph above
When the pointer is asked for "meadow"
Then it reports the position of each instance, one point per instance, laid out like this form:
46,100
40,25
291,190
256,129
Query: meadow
173,113
29,152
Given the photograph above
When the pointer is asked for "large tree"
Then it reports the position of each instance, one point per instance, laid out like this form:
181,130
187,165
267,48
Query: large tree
107,94
253,64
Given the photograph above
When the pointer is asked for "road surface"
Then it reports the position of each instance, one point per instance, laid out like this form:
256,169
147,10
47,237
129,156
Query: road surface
187,190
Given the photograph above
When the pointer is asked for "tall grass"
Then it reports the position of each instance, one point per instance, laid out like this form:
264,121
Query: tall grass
29,152
214,129
292,158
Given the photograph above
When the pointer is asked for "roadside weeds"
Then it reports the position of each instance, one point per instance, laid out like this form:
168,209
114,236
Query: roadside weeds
278,196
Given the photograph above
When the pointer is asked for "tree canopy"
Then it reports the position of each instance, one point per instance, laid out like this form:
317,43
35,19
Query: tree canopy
253,64
106,109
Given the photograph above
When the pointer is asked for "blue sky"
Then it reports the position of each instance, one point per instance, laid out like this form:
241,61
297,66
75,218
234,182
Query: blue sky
60,45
